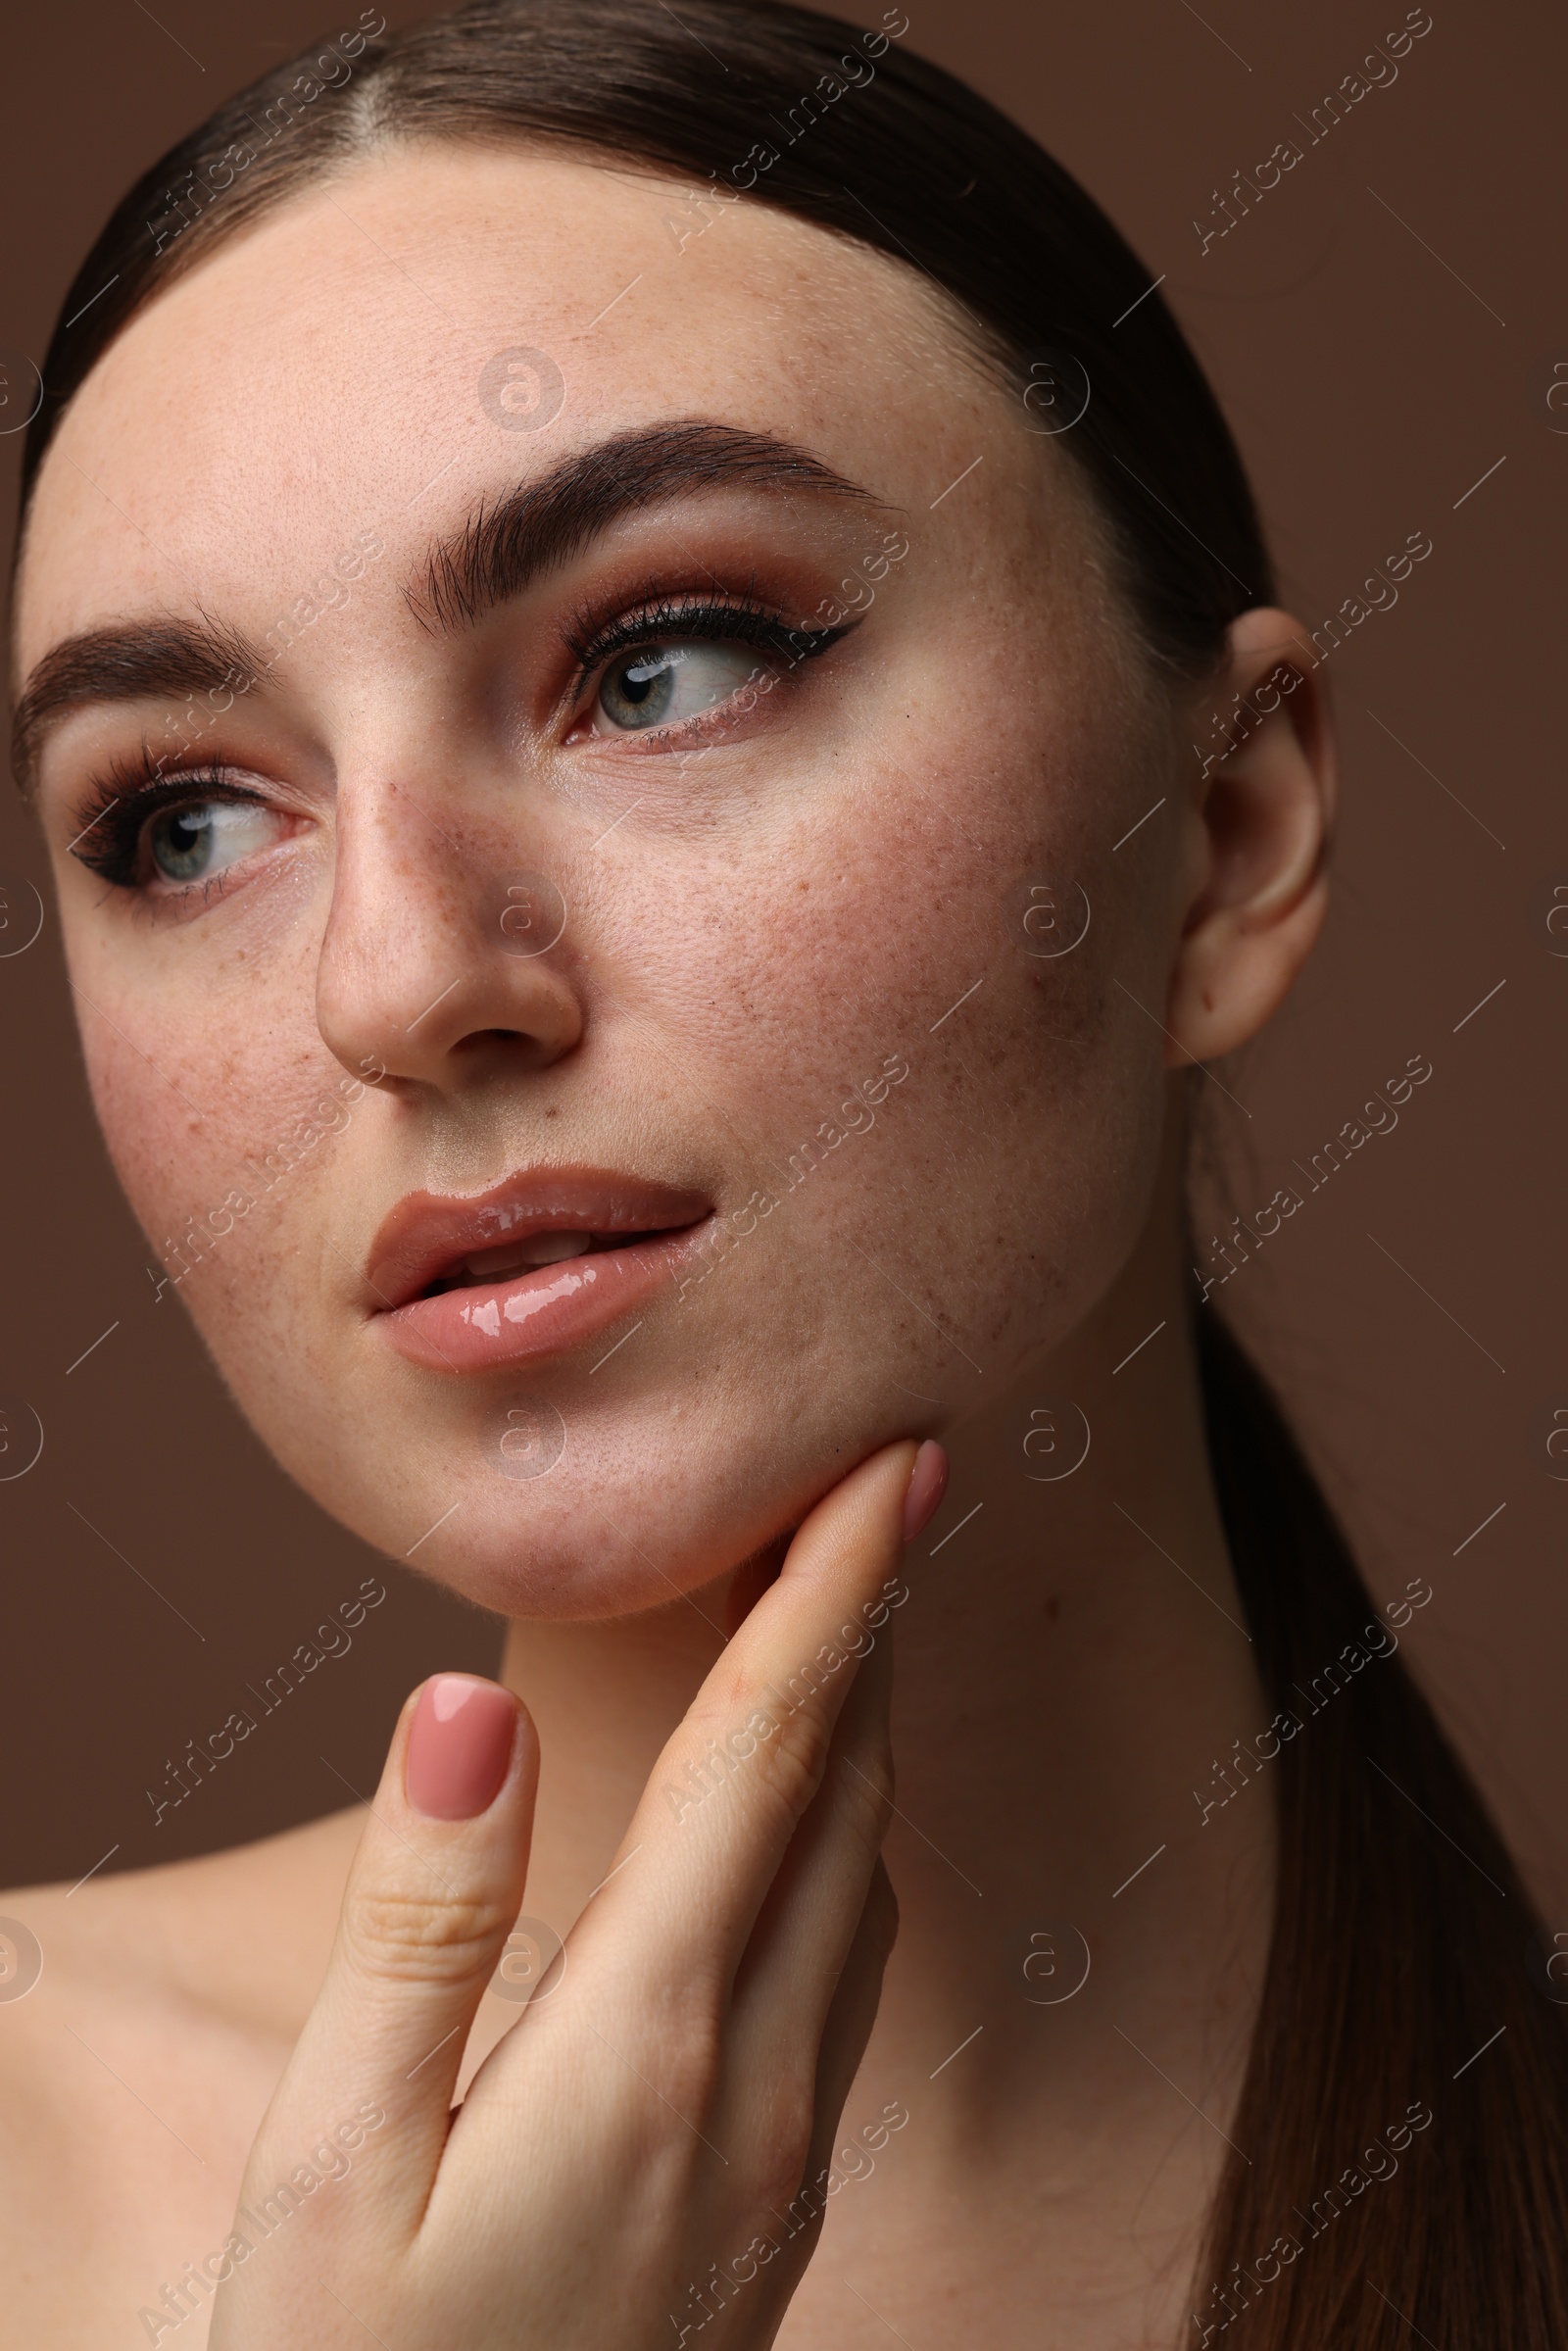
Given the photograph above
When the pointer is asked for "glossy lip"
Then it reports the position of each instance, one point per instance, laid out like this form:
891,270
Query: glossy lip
487,1325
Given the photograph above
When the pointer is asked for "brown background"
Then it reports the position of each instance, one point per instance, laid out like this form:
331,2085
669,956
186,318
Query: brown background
1375,366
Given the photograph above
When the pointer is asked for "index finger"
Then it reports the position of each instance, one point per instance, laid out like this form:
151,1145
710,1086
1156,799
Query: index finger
733,1783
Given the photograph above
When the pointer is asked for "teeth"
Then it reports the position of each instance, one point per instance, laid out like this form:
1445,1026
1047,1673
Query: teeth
549,1249
523,1256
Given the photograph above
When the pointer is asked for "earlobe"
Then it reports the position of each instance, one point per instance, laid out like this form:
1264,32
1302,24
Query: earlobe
1259,814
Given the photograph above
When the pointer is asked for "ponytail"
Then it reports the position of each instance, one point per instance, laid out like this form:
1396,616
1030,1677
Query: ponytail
1405,2104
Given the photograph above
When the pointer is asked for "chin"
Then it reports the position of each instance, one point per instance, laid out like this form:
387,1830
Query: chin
585,1508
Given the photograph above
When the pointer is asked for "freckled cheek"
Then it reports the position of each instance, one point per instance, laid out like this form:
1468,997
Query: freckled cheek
1012,1169
865,920
186,1126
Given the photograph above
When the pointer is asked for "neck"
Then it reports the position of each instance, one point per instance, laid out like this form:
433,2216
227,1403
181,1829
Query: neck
1071,1666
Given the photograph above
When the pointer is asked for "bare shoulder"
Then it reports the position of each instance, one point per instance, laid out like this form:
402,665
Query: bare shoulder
144,2022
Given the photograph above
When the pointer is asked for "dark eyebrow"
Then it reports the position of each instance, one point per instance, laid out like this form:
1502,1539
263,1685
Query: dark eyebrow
125,664
503,547
493,557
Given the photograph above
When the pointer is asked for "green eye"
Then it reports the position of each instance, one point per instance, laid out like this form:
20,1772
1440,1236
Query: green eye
201,838
659,685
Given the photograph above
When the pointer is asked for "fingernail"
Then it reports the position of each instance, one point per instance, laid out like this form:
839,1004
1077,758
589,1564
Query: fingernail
459,1744
928,1483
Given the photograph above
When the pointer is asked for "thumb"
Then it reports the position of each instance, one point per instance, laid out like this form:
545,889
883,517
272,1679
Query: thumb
433,1893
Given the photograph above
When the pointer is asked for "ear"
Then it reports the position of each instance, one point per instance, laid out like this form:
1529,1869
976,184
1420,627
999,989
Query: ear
1259,822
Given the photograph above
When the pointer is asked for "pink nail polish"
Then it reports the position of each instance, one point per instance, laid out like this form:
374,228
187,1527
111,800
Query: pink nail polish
928,1483
459,1744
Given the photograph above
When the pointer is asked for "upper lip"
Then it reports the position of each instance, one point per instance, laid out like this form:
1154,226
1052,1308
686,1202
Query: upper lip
429,1233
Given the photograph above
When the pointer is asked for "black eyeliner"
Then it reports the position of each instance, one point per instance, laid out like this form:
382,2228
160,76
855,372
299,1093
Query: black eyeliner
730,622
118,807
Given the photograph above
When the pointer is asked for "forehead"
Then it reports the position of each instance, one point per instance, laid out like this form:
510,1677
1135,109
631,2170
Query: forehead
443,316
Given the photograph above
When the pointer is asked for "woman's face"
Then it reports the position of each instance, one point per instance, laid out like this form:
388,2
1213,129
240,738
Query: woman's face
564,1016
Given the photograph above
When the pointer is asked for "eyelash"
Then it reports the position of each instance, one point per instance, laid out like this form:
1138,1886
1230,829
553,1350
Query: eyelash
742,620
120,805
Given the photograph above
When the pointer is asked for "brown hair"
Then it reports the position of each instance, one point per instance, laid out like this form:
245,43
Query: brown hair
1398,2018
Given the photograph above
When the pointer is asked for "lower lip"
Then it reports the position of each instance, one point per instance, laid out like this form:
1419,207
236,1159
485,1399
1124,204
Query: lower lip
556,1306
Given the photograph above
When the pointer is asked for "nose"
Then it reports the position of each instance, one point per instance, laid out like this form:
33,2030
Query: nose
440,962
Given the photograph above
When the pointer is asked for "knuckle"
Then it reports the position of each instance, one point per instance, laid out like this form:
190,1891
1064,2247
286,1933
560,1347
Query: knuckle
679,2047
864,1827
788,2123
865,1798
420,1937
793,1760
688,2078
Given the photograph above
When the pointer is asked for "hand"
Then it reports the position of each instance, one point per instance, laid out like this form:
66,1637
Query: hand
658,2114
